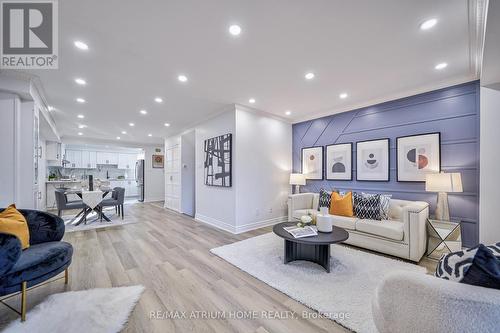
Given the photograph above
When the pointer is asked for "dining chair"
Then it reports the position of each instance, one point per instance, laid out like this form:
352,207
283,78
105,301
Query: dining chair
62,202
117,199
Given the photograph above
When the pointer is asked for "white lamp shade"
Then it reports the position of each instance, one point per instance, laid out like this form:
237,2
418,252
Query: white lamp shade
297,179
443,182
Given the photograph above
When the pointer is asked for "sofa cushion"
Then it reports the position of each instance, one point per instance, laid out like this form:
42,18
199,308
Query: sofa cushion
341,205
367,206
344,222
297,214
36,261
384,228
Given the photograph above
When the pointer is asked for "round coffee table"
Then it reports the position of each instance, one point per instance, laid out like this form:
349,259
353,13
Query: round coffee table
314,248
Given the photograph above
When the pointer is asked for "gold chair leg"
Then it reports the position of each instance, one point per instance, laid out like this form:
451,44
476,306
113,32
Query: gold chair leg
66,276
23,301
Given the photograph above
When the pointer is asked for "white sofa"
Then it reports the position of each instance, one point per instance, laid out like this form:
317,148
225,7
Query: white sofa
409,302
404,235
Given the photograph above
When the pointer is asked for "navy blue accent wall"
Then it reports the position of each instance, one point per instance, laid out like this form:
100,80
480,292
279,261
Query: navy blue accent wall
453,111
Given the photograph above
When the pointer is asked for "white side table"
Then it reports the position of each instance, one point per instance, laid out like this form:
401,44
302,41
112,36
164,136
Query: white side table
443,237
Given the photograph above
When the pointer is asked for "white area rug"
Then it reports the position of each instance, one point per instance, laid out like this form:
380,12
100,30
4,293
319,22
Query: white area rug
104,310
346,291
93,222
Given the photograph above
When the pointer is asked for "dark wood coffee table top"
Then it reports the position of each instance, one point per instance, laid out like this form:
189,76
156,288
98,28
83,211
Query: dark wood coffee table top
323,238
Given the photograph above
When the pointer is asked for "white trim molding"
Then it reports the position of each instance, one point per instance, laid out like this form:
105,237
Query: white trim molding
241,228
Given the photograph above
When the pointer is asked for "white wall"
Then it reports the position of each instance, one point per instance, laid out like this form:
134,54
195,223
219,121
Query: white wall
154,178
489,224
263,162
215,205
9,103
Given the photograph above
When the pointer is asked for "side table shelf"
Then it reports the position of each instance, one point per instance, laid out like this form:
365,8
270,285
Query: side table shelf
443,237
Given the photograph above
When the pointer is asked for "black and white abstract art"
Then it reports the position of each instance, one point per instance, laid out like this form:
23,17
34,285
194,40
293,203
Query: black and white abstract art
339,161
218,161
372,160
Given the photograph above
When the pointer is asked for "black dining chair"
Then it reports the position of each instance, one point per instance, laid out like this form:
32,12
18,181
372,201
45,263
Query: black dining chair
62,202
117,199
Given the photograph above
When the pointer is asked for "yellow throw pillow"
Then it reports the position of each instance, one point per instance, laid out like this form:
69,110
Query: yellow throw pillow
341,205
13,222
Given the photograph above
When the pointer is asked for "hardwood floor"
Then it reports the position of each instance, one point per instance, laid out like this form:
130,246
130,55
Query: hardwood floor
169,254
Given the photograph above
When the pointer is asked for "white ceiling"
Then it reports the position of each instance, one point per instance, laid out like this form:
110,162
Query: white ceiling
373,50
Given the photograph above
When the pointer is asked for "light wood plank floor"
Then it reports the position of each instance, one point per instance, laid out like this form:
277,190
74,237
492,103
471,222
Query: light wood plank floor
169,254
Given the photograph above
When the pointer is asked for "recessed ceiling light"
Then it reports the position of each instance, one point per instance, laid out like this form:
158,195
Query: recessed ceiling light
124,132
81,116
309,76
251,100
143,111
80,100
80,81
343,95
82,126
182,78
80,133
158,99
426,25
150,134
235,30
131,124
440,66
81,45
288,112
51,108
118,138
167,124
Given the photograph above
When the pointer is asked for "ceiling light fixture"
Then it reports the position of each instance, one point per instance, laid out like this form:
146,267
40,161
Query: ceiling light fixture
235,30
343,95
143,111
167,124
131,124
440,66
51,108
81,116
426,25
81,45
80,81
80,133
309,76
150,134
251,100
288,112
124,132
118,138
182,78
82,126
80,100
158,100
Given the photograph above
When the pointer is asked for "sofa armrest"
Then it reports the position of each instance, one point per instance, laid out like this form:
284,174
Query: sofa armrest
409,302
414,217
43,226
299,201
10,251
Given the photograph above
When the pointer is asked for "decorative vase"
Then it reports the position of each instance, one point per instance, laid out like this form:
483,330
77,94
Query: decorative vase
323,210
324,223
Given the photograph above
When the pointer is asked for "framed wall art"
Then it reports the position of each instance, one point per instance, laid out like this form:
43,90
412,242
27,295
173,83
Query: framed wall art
418,155
218,161
158,161
339,161
312,163
372,160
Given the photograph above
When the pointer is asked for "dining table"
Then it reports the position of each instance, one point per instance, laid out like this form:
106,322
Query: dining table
92,204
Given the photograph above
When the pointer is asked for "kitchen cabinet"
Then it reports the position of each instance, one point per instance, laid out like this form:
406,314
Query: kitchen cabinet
54,153
126,161
130,186
107,158
74,158
89,159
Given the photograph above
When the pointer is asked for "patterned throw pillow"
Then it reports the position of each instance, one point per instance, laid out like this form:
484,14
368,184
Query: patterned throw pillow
325,198
478,266
367,207
384,204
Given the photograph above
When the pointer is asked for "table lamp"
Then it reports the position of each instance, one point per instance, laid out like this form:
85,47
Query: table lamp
443,183
297,179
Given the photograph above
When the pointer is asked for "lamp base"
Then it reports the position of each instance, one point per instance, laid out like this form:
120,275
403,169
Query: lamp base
442,208
296,189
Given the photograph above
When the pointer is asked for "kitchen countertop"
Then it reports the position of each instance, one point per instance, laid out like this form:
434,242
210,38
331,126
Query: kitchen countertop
80,180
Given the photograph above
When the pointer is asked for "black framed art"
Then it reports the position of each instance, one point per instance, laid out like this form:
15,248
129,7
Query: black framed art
339,161
218,160
372,160
312,162
418,155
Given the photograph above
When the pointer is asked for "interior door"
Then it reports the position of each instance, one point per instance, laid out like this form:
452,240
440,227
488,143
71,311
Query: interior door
172,178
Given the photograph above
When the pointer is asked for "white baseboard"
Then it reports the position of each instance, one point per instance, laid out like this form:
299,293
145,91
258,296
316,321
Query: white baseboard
241,228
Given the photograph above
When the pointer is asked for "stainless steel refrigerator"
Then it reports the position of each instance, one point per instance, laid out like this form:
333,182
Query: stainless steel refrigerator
139,178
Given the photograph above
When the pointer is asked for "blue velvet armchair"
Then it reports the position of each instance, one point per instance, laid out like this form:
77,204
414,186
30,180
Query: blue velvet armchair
46,257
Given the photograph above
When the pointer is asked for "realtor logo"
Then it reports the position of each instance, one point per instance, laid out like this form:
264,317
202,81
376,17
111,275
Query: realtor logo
29,34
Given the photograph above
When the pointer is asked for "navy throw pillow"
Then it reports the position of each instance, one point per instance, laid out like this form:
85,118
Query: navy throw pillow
485,269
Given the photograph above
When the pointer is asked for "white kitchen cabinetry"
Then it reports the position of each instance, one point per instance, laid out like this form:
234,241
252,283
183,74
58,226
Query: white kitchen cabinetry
89,159
130,186
107,158
54,153
126,161
74,157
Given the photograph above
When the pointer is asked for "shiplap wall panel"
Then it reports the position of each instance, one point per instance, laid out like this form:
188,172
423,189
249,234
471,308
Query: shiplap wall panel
453,111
